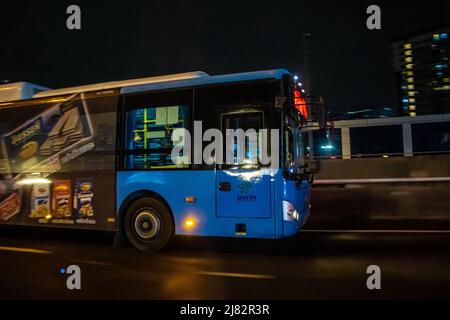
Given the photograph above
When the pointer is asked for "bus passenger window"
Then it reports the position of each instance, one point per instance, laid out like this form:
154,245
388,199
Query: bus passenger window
148,136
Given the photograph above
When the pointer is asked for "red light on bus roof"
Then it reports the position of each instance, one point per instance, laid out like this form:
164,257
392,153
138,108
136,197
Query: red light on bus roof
300,103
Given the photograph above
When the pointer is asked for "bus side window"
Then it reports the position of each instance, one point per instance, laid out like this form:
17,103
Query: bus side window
147,135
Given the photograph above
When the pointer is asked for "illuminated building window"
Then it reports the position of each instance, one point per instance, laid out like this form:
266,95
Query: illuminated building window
444,88
411,93
444,35
446,80
410,86
436,37
412,107
408,59
407,46
409,73
410,80
412,100
409,66
408,52
412,114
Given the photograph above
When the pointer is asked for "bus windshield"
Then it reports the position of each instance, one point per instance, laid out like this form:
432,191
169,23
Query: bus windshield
293,146
294,139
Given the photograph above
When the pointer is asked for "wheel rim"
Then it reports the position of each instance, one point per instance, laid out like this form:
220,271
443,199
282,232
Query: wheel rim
147,224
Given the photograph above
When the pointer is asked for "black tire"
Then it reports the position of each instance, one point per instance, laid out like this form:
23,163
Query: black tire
148,224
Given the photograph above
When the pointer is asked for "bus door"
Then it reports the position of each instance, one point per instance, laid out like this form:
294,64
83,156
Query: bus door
242,190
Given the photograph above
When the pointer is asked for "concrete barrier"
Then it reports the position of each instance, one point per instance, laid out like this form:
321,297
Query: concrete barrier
404,193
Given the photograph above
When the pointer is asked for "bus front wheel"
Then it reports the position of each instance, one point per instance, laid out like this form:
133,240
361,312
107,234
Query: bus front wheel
148,224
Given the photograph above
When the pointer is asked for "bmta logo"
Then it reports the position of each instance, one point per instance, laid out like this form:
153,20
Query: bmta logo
74,279
244,189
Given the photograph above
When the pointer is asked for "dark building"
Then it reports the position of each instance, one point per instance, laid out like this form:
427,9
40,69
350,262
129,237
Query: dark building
422,73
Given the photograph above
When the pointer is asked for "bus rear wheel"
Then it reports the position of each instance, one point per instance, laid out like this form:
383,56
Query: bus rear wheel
148,224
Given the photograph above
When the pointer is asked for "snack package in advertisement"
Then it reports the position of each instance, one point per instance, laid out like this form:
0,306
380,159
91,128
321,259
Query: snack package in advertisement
23,143
10,206
40,201
52,138
62,199
84,196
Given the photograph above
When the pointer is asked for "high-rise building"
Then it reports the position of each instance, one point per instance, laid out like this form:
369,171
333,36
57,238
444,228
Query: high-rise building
422,72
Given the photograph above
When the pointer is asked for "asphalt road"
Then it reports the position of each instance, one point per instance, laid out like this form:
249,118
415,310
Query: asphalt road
312,265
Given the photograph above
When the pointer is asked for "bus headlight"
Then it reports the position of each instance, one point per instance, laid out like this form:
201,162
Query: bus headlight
289,212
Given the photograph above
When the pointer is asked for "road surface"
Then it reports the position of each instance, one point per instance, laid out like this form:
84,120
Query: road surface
312,265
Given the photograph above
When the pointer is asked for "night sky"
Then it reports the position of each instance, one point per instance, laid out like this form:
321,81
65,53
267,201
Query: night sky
351,66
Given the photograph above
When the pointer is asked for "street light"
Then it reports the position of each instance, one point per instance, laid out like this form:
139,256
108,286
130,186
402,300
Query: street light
306,78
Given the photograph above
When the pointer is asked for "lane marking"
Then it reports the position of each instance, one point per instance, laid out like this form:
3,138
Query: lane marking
235,275
380,180
377,231
98,263
26,250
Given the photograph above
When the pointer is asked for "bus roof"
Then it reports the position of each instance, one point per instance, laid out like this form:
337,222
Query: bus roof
201,81
120,84
179,80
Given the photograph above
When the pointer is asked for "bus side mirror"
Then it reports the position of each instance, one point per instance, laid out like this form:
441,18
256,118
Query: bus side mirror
317,111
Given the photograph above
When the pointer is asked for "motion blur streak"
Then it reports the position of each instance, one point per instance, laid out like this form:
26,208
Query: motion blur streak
236,275
26,250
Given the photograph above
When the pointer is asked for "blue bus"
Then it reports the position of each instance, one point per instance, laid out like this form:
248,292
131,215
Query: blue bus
100,157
